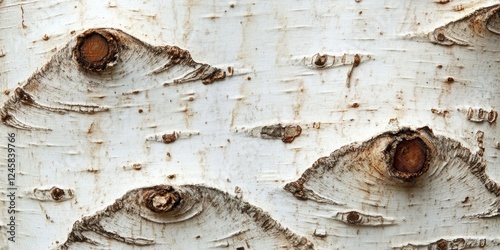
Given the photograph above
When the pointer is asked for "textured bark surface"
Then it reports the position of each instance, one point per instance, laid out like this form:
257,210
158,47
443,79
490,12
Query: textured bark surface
166,217
68,83
233,101
361,182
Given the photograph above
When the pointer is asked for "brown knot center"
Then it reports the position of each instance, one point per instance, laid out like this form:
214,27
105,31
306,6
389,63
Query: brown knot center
163,200
353,217
410,156
94,49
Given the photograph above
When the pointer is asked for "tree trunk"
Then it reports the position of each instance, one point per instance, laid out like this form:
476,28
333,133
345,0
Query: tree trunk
250,125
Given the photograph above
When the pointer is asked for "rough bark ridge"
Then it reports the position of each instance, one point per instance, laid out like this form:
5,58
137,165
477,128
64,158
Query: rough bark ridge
181,217
78,77
448,184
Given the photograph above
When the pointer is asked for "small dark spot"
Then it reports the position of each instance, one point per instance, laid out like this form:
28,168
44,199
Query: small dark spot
466,200
321,60
355,105
216,75
171,176
6,92
45,37
137,166
57,193
231,5
230,70
240,248
459,7
357,60
441,37
481,113
450,79
443,1
197,237
249,78
140,110
440,66
6,117
169,138
23,96
290,132
492,116
353,217
442,244
361,12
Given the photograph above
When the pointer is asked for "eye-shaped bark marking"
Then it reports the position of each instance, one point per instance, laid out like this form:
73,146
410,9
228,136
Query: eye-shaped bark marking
400,173
285,133
184,217
171,137
320,61
53,194
479,28
458,243
360,219
96,71
481,115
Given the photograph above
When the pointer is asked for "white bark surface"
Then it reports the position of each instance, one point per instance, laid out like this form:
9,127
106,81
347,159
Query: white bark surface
302,80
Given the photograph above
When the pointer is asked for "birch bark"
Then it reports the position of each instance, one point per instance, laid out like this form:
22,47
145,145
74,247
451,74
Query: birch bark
302,79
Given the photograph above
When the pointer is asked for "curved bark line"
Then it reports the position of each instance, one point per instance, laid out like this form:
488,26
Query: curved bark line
355,218
183,217
480,28
443,168
457,243
94,73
